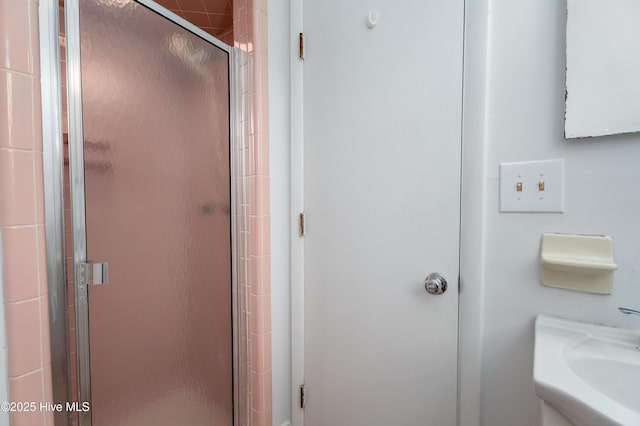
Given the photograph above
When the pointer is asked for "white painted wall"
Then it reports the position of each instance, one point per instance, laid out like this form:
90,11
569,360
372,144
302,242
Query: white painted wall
279,140
524,114
513,111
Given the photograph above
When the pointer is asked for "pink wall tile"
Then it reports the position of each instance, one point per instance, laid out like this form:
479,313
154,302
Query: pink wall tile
250,163
258,418
19,247
253,271
27,388
267,349
260,283
250,34
260,347
260,397
34,39
259,320
23,336
240,20
48,392
45,346
39,187
267,383
28,418
260,5
37,117
262,155
266,242
251,197
48,387
262,196
242,42
258,30
16,108
22,210
17,186
42,260
258,391
260,246
15,52
261,81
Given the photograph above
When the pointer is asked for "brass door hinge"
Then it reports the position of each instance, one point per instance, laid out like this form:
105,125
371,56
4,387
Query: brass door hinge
301,225
301,45
303,396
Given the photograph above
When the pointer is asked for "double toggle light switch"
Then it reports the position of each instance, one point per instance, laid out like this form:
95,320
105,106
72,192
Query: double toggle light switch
533,186
540,186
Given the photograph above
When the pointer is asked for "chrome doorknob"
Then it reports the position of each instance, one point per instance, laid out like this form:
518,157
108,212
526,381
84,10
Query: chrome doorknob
435,283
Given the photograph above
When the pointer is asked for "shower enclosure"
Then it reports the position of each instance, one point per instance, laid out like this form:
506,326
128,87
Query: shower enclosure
155,127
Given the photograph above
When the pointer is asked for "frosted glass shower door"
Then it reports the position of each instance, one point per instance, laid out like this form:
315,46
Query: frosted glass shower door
155,105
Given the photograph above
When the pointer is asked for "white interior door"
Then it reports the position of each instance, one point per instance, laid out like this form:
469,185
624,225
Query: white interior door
382,142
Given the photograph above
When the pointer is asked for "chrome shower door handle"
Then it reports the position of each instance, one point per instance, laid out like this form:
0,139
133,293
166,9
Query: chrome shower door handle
435,283
100,273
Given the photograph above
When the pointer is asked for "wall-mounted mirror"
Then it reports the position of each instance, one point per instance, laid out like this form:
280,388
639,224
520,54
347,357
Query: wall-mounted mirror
603,68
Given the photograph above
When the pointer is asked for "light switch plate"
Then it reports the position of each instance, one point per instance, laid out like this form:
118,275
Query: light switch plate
532,186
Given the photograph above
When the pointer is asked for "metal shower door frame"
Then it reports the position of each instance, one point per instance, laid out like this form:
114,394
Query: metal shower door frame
53,170
52,118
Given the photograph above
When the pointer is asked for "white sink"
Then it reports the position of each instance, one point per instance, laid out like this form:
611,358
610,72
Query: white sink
589,373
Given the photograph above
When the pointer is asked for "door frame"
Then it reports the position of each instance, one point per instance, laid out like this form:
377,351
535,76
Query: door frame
53,164
472,211
296,120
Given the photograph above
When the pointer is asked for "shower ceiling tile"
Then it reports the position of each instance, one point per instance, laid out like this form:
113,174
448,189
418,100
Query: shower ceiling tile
197,18
192,5
213,16
221,20
170,4
219,6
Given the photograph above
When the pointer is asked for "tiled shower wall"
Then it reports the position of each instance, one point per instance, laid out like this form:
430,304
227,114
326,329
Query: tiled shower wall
250,34
22,209
24,278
